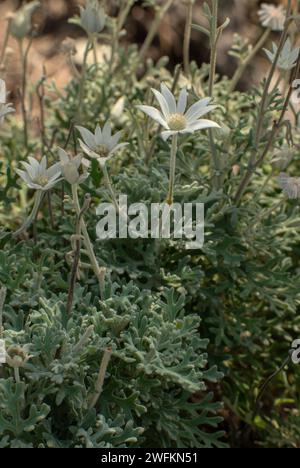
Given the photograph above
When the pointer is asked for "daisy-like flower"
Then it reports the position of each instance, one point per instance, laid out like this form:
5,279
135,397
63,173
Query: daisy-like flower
173,116
92,17
38,177
101,145
5,108
288,57
272,16
70,167
290,186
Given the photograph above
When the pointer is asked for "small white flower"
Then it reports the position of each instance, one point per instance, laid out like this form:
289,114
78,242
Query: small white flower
288,57
290,186
272,16
5,109
92,17
21,23
70,167
101,145
173,116
37,176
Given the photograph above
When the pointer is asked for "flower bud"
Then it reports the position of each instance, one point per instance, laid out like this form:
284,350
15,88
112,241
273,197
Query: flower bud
21,22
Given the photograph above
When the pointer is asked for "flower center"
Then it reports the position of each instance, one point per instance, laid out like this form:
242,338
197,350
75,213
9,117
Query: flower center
177,122
41,180
103,151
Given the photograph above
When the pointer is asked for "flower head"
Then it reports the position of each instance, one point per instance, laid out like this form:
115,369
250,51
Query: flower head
290,186
4,108
173,116
288,57
21,20
272,16
101,145
37,176
70,167
92,17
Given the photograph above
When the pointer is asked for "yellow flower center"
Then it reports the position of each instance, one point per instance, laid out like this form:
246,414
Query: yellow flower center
177,122
103,151
41,180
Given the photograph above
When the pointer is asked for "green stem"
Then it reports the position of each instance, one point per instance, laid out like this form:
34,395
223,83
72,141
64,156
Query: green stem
241,69
101,377
187,37
174,149
82,81
31,218
99,272
153,30
109,187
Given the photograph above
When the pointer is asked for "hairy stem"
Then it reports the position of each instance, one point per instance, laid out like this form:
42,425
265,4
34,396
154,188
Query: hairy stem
187,37
101,377
31,218
174,149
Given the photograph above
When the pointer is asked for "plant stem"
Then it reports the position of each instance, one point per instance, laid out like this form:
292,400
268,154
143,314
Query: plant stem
187,37
5,42
109,187
154,28
82,81
241,69
37,202
3,292
101,377
174,149
24,57
212,77
99,272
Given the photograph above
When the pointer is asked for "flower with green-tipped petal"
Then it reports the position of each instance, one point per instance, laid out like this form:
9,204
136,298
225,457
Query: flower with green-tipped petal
288,57
37,176
70,167
92,17
173,115
101,145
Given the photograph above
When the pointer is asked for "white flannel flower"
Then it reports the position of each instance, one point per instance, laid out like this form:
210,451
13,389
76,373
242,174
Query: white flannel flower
21,23
37,176
288,57
290,186
92,17
70,167
272,16
173,116
101,145
5,108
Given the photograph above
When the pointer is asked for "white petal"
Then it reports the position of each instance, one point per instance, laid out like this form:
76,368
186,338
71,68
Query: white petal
167,134
87,150
23,176
88,137
43,165
197,107
115,139
54,171
171,101
35,164
118,147
154,114
196,115
29,169
106,132
201,125
98,135
163,103
182,101
63,156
